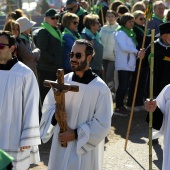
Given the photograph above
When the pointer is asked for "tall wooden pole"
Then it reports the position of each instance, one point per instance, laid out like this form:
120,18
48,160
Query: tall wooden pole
151,97
148,14
90,5
135,91
102,15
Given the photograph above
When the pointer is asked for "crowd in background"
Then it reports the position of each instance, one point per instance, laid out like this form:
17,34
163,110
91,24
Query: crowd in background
115,29
115,58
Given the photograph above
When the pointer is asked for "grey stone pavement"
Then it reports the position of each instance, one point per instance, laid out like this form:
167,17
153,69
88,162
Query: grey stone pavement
136,156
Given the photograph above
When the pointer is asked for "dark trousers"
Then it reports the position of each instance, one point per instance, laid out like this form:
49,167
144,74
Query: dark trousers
124,79
141,90
44,75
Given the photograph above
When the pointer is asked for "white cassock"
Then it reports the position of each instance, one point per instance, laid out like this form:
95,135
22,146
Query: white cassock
19,122
88,110
163,102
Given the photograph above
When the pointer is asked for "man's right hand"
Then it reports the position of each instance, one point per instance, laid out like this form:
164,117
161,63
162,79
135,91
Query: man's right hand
150,105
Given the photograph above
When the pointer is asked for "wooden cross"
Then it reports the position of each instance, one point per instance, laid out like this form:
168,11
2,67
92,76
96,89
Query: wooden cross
59,89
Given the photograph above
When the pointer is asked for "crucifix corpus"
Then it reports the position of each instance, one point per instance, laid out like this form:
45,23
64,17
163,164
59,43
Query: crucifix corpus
59,89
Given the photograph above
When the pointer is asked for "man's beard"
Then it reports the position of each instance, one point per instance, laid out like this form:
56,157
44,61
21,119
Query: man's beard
81,66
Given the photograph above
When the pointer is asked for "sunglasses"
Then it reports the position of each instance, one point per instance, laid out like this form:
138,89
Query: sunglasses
77,55
97,22
2,46
141,19
75,22
53,18
70,9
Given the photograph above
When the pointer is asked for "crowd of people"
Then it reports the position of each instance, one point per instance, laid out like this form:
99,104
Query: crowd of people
100,53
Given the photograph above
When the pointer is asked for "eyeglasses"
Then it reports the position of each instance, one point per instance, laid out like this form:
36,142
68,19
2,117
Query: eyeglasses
75,22
56,17
142,19
77,55
70,9
2,46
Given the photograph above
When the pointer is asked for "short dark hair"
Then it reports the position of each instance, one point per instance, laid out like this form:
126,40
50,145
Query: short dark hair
115,4
89,20
89,48
68,18
111,12
126,17
122,9
68,2
9,36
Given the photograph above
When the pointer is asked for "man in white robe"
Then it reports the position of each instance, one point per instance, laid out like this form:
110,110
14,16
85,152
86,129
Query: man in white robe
88,113
161,106
19,99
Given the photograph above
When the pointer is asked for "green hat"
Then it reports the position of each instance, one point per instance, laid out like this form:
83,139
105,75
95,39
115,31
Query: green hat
51,12
5,159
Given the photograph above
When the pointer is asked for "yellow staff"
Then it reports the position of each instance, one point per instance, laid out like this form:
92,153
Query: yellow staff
151,97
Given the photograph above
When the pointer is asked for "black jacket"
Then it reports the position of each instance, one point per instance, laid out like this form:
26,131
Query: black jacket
51,57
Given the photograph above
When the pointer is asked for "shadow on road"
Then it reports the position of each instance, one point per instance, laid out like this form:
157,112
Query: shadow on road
142,168
158,150
138,134
138,126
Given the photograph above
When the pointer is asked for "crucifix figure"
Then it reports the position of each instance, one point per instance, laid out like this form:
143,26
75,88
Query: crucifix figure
59,89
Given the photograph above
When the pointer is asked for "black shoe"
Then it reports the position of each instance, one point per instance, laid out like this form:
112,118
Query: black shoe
154,142
122,111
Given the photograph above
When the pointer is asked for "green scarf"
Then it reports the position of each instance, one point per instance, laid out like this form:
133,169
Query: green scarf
52,31
81,11
91,35
129,33
155,16
67,31
5,159
26,38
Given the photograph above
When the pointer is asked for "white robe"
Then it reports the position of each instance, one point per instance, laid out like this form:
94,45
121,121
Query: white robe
163,102
19,122
88,110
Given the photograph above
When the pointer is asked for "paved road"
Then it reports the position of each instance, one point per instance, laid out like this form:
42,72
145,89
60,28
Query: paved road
115,158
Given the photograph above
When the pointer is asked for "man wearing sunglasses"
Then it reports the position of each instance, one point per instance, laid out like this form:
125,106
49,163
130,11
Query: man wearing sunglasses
49,41
88,113
19,99
74,7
